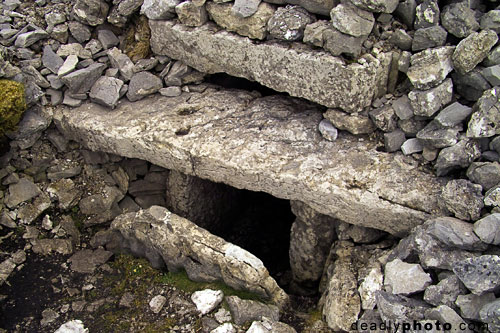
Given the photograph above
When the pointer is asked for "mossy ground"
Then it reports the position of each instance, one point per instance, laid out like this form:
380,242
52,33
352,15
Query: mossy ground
12,105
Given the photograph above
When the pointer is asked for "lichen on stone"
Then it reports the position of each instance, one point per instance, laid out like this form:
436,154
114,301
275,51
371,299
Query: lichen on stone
12,105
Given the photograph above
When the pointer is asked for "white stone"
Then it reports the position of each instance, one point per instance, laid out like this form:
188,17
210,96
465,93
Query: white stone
373,282
405,279
222,316
157,303
224,328
68,66
73,326
207,300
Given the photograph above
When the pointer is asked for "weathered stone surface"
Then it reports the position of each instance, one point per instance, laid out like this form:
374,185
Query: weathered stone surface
428,38
191,15
29,38
445,292
267,325
384,118
430,67
490,314
86,261
435,136
246,310
394,140
160,235
426,14
406,11
92,12
492,75
252,27
47,246
72,326
352,20
245,8
445,314
488,229
492,196
22,191
472,50
468,209
459,20
428,102
159,9
157,303
479,275
30,212
377,6
470,85
313,33
80,81
51,60
342,301
486,174
381,196
455,233
106,91
207,300
471,304
143,84
401,39
491,20
80,31
327,130
453,114
372,281
460,155
311,236
68,66
334,84
405,279
121,61
288,23
411,146
107,38
338,43
485,120
322,7
398,309
353,123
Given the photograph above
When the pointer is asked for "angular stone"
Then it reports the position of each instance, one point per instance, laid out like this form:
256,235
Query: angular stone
106,91
471,304
65,192
60,33
445,314
92,12
445,292
157,303
227,328
34,75
491,20
338,43
86,261
479,275
207,300
426,103
453,115
493,57
394,186
22,191
490,314
492,197
79,31
72,326
399,309
401,39
405,279
430,67
412,146
485,174
29,38
470,208
372,282
82,80
435,136
459,20
488,229
68,66
470,85
47,246
426,14
430,37
492,75
170,91
406,11
159,9
143,84
107,38
455,233
329,71
122,62
322,7
485,120
377,6
181,244
51,60
253,27
384,118
352,20
394,140
313,33
289,23
245,310
327,130
472,50
355,124
267,325
245,8
190,14
28,213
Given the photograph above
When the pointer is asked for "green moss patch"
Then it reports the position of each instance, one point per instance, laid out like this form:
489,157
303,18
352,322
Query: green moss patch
12,105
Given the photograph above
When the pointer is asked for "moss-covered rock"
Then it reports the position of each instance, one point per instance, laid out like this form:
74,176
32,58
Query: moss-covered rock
12,105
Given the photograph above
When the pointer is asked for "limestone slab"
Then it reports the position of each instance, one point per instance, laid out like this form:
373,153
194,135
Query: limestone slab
313,75
268,144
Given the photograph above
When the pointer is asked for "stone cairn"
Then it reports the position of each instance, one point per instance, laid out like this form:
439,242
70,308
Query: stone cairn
439,103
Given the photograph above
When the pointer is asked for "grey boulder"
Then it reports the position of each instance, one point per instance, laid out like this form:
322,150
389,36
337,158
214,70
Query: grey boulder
402,278
473,49
485,119
430,67
80,81
352,20
289,23
106,91
486,174
488,229
481,274
92,12
459,20
159,9
460,155
143,84
469,209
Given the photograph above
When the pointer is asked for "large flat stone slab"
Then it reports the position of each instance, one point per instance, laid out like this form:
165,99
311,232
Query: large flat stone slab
268,144
298,70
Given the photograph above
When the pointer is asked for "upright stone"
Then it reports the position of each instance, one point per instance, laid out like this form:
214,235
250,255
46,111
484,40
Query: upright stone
430,67
473,49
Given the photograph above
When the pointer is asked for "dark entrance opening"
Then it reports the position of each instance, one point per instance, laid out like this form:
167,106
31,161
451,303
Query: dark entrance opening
233,82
